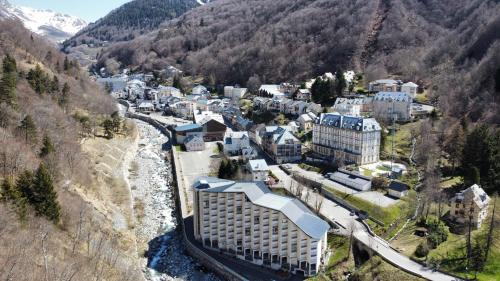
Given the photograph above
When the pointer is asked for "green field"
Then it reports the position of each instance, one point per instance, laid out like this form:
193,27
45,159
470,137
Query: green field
402,141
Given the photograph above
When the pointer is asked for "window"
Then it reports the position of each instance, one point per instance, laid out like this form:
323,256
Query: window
238,209
256,219
247,231
275,230
205,203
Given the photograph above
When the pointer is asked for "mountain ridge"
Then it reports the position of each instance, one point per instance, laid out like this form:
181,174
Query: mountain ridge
52,25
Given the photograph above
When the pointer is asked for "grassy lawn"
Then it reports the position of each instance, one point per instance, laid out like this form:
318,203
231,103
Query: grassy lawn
366,172
178,148
402,141
338,262
309,168
387,215
451,181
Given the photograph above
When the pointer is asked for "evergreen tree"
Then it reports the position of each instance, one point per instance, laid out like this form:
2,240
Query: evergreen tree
340,83
117,122
54,85
24,185
38,80
47,146
8,81
28,129
108,127
455,145
66,64
64,97
45,197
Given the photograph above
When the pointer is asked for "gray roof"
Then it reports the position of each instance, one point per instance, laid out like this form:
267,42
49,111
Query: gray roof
474,193
351,177
259,194
258,165
349,122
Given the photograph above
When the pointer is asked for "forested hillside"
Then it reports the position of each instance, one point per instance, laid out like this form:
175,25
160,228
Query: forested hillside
449,45
130,20
52,223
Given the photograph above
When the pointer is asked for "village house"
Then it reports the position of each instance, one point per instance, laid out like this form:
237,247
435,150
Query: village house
145,106
346,138
410,88
168,91
298,108
306,121
258,169
184,131
235,142
392,105
281,145
213,125
384,85
472,202
303,95
235,93
199,90
314,108
182,109
351,107
194,143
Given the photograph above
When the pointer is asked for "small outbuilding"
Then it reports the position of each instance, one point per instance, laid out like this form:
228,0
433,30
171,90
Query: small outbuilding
398,189
352,180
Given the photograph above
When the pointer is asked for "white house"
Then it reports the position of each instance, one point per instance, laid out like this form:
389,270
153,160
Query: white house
472,201
272,89
398,189
235,142
194,143
145,106
199,90
303,94
234,93
410,88
168,91
258,169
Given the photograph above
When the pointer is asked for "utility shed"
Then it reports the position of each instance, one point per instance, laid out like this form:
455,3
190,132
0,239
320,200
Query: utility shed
351,179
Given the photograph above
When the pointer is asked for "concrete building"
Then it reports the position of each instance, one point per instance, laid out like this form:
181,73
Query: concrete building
236,142
246,220
346,138
281,145
472,201
351,179
235,93
389,105
199,90
258,169
303,94
350,107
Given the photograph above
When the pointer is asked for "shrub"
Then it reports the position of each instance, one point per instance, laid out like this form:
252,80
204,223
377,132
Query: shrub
422,250
438,232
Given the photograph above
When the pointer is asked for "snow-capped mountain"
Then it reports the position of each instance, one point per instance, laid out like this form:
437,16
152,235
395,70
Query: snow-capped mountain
52,25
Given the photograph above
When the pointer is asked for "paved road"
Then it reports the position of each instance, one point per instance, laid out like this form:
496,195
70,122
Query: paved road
338,214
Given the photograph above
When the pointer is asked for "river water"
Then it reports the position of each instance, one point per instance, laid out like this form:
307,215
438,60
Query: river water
150,179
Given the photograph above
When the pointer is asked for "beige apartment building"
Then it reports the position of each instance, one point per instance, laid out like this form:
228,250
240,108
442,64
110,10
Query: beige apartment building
473,202
347,138
246,220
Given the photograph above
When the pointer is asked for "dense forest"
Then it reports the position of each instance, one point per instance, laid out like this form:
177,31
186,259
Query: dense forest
48,105
132,19
451,45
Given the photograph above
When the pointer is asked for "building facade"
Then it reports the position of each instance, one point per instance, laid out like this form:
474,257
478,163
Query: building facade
258,169
236,142
346,138
249,222
389,105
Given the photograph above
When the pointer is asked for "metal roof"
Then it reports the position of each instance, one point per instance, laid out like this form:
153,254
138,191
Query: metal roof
259,194
349,122
258,165
187,127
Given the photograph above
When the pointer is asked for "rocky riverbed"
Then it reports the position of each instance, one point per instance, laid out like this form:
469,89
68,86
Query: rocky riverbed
150,178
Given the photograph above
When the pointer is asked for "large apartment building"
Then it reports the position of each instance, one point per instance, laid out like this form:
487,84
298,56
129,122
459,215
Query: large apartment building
347,138
389,106
246,220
